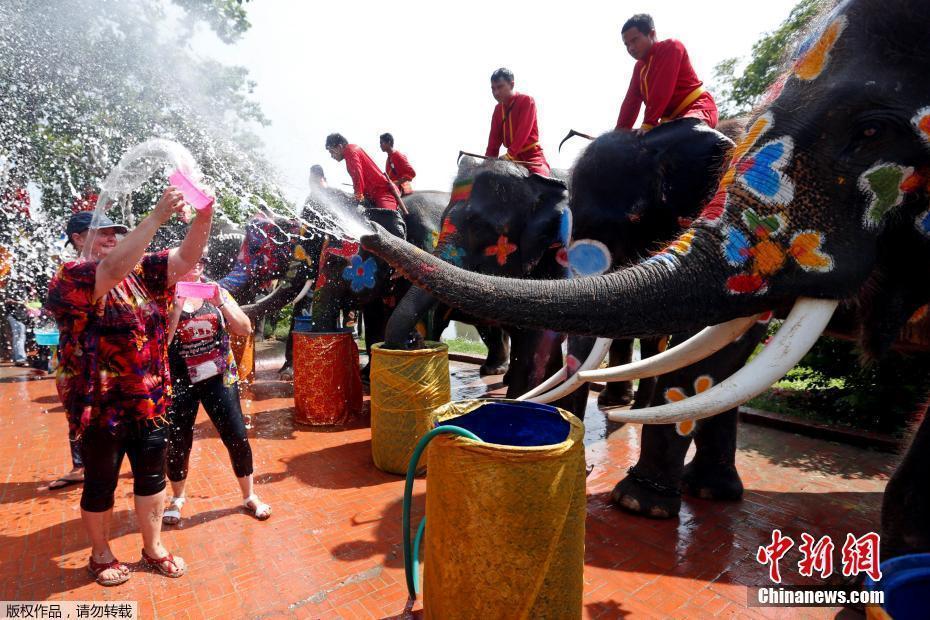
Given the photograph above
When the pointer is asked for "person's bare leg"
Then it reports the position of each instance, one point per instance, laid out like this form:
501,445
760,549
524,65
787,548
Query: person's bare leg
172,514
245,485
97,525
149,509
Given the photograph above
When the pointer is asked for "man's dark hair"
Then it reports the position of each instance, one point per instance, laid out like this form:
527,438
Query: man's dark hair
335,139
502,74
316,171
387,138
641,21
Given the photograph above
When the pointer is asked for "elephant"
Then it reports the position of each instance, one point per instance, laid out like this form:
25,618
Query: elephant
292,250
502,220
826,201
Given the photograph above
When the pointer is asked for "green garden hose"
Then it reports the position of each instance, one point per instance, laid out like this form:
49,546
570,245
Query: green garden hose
411,556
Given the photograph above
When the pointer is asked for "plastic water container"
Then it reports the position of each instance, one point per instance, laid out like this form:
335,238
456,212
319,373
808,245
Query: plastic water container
198,290
303,324
194,196
46,337
906,584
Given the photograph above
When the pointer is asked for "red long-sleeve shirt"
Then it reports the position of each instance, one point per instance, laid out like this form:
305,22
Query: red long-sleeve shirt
398,168
665,81
367,179
515,127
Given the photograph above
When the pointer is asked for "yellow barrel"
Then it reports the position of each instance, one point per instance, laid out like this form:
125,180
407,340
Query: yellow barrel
406,389
505,517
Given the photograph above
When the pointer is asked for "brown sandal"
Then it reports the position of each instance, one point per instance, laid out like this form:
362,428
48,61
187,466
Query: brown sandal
96,569
159,564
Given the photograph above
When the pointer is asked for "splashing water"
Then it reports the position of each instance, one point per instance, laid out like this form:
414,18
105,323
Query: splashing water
135,168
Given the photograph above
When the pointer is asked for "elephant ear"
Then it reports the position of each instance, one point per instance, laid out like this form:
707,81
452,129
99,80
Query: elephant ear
689,157
545,228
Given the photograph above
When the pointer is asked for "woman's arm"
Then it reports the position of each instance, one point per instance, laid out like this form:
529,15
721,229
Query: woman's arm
237,322
176,309
127,253
183,258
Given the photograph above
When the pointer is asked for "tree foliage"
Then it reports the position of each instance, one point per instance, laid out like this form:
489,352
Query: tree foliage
737,94
82,81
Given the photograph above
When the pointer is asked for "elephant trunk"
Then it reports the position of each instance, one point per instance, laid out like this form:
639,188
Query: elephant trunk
666,294
401,331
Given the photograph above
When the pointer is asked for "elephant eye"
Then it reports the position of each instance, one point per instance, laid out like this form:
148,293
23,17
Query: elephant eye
870,132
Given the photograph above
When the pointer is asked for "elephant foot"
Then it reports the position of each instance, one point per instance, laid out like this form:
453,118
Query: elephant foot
715,482
615,398
641,496
365,374
493,369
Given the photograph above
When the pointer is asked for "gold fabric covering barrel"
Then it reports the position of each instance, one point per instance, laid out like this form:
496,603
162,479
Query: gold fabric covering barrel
327,384
505,518
406,389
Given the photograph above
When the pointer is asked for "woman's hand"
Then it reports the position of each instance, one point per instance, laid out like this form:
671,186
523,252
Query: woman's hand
218,298
171,202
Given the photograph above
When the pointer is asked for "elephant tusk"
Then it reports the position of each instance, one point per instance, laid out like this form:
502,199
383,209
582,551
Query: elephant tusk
700,346
594,359
547,385
303,292
797,335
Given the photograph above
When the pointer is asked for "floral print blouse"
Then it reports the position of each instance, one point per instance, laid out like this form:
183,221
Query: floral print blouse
113,352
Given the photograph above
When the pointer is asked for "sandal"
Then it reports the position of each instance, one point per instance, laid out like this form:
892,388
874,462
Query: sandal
96,570
63,483
260,510
172,514
160,564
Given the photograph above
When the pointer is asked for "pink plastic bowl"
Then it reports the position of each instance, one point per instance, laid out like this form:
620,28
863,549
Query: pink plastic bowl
192,194
200,290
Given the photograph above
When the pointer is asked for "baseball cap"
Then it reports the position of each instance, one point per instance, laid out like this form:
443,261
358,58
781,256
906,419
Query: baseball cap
80,222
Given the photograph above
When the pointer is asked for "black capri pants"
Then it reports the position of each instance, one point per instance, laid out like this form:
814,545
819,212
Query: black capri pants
222,405
145,442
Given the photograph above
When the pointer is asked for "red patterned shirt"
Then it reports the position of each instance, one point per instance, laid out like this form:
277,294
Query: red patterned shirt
114,352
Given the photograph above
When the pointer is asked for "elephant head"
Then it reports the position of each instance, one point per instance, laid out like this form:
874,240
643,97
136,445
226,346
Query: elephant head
826,197
264,255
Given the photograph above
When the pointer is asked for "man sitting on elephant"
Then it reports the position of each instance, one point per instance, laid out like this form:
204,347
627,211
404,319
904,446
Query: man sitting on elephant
397,166
663,79
513,125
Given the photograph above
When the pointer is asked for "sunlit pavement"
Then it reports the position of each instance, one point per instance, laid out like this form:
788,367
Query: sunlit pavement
332,548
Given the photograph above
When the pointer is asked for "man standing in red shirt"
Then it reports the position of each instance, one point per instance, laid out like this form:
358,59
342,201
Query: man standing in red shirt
397,167
513,125
372,187
663,79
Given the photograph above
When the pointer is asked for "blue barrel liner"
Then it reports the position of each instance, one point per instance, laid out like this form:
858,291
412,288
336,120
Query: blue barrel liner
514,424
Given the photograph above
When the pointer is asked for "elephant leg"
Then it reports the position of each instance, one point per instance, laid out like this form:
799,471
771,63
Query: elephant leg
646,388
534,356
299,309
375,315
906,503
579,347
618,393
712,474
498,358
652,487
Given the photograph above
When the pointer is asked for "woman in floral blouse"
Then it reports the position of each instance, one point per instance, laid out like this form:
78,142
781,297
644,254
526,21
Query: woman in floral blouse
111,309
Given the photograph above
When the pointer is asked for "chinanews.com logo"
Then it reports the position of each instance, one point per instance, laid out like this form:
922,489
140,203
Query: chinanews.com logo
859,556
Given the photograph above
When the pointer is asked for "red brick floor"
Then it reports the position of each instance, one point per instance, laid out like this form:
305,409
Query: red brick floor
332,549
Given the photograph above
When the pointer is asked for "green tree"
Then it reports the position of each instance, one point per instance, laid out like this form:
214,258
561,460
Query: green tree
84,80
737,94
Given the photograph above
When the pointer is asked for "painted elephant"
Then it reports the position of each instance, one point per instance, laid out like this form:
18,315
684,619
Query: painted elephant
505,221
826,201
311,263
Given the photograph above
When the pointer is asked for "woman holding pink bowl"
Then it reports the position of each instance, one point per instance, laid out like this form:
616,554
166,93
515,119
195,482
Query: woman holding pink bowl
203,371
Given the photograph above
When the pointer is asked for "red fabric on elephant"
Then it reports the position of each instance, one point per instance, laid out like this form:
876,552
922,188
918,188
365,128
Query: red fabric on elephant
114,352
400,171
367,179
667,83
514,126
